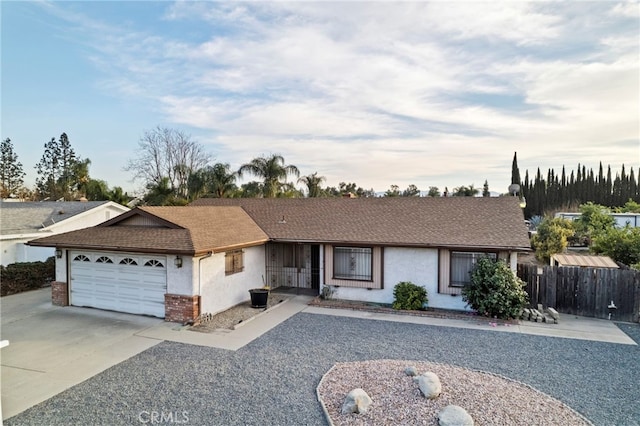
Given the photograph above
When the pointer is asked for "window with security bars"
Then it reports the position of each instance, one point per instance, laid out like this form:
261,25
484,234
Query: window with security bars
234,262
462,264
353,263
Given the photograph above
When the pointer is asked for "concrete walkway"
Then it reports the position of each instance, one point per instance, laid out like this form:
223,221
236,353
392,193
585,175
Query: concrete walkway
571,327
54,348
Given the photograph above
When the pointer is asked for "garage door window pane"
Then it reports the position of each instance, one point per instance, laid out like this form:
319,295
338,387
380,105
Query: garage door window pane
104,259
154,263
128,261
81,258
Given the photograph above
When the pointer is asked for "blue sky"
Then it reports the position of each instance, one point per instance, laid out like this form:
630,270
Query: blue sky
377,93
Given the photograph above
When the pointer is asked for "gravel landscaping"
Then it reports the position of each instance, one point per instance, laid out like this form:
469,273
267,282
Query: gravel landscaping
237,315
396,399
273,380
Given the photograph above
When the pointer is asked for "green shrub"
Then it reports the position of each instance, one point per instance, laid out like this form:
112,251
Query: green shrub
24,276
552,237
495,290
408,296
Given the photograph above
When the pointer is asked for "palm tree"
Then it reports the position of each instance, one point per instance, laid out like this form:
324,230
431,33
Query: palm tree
218,180
161,194
223,180
272,171
312,182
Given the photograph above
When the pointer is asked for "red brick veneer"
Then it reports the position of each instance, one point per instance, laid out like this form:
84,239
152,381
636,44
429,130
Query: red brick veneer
59,293
181,308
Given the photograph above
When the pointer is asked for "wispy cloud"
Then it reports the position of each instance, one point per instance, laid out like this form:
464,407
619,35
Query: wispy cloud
424,89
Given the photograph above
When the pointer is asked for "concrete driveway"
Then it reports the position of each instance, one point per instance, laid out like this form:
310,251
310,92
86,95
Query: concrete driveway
53,348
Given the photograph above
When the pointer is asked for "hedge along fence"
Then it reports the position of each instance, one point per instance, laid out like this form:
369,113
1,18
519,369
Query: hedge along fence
19,277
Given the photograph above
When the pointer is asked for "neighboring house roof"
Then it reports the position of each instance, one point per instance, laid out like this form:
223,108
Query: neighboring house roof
454,222
566,259
31,217
178,230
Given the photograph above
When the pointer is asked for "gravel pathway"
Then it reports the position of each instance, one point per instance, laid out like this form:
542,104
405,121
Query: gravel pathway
273,380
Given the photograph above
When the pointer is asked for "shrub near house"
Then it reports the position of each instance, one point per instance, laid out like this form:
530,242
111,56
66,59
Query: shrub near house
408,296
495,290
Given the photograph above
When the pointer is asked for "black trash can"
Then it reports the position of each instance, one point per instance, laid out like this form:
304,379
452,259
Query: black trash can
259,297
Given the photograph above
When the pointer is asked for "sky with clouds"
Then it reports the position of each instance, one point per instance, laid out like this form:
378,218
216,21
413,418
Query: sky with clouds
377,93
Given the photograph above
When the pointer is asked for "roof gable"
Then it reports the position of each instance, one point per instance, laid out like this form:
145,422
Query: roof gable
183,230
140,216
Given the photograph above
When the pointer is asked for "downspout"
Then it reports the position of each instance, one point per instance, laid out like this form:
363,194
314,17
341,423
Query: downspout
209,254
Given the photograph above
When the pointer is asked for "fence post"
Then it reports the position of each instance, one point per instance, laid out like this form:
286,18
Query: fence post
550,285
636,306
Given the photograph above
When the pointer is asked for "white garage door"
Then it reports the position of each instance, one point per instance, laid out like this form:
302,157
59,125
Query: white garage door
131,283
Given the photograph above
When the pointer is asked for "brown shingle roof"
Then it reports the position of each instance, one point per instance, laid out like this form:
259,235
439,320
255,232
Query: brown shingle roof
121,238
491,222
213,229
222,224
183,230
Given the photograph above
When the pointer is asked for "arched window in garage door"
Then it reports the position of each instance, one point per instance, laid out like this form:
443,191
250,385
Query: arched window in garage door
154,263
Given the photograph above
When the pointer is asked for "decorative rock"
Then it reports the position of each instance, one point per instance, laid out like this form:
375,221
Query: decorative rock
554,314
429,384
536,316
357,401
454,415
411,371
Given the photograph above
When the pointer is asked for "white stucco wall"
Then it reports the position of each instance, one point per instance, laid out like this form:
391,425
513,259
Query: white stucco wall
15,250
61,267
219,291
418,265
180,280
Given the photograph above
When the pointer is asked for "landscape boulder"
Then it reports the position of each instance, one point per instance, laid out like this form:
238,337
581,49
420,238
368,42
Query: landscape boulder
454,415
411,371
429,384
357,401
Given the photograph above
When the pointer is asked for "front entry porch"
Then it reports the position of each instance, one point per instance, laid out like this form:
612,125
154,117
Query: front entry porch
293,268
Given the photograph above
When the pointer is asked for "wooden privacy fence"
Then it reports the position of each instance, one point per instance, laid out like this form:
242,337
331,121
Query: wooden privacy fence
584,291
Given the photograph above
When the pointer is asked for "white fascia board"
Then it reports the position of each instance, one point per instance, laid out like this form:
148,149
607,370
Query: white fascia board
78,216
23,236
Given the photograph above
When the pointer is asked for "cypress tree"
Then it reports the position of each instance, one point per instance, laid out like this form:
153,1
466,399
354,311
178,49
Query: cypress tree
485,189
515,172
601,187
633,186
609,187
